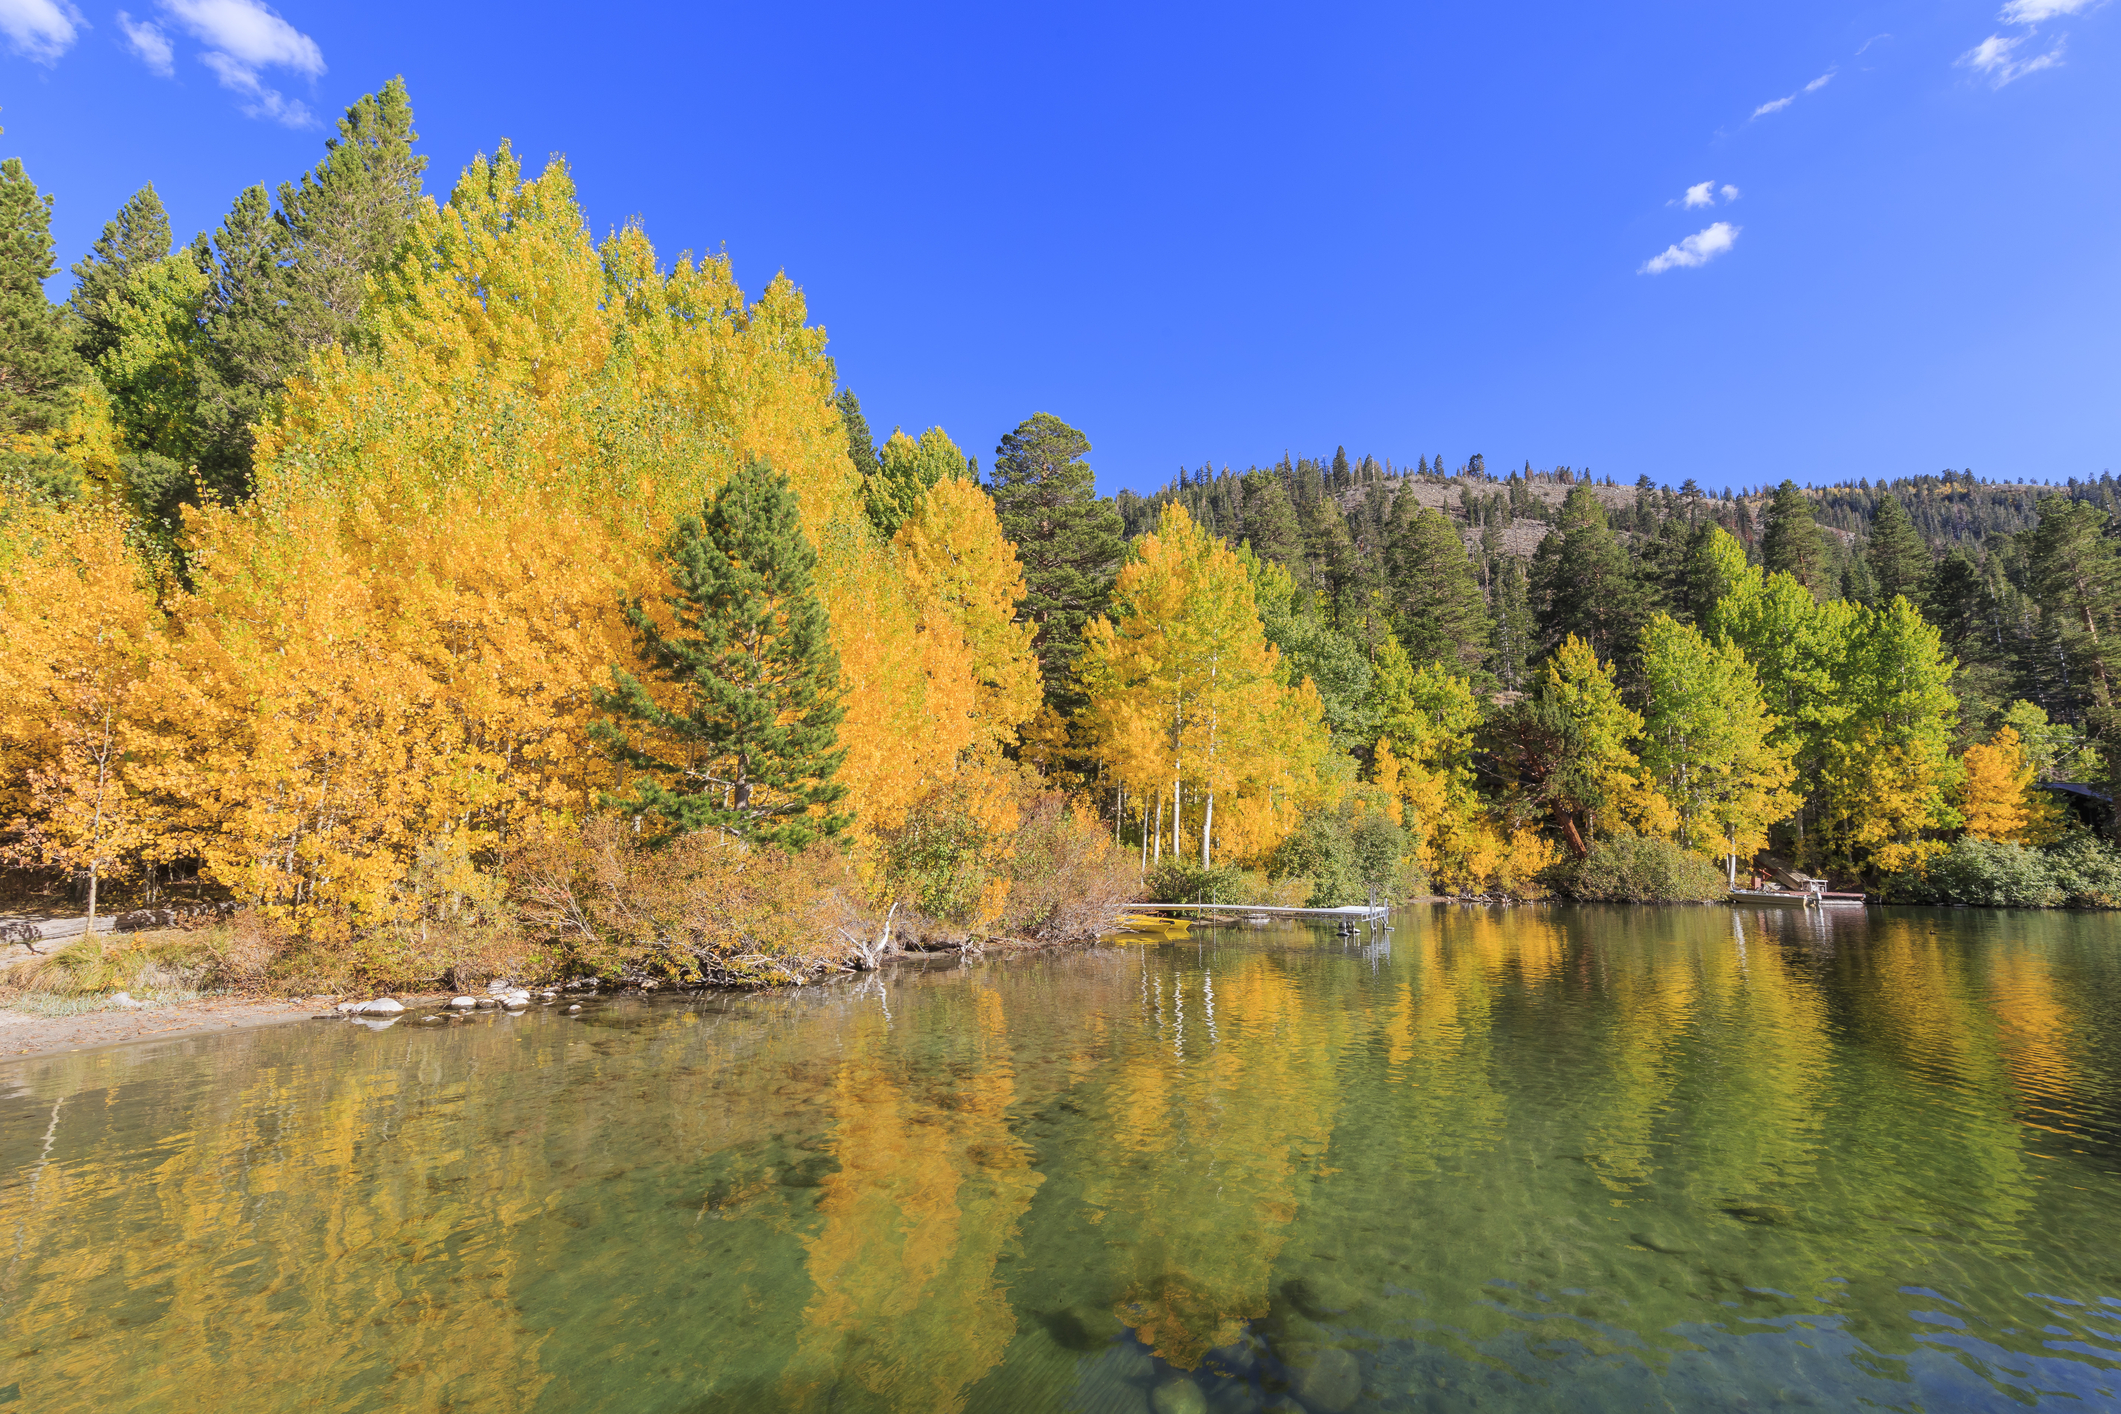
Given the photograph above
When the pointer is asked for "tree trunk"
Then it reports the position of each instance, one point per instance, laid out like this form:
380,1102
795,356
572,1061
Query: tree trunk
1178,817
1207,831
1575,836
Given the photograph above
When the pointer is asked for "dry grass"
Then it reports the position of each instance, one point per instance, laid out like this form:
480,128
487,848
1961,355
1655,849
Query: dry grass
171,965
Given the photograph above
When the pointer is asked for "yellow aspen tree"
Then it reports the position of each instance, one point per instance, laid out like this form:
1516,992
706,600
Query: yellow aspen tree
1709,743
1185,690
389,661
955,560
81,631
1997,796
1887,779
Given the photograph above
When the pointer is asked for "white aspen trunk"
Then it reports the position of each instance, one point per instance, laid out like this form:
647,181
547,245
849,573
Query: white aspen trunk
1207,830
1178,816
1159,852
95,834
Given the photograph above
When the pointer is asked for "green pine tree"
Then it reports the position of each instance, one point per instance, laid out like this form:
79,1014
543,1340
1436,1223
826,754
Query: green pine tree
246,352
289,281
1583,584
1515,632
1899,561
1069,540
346,217
861,445
742,729
1439,614
1270,524
134,239
38,363
1791,541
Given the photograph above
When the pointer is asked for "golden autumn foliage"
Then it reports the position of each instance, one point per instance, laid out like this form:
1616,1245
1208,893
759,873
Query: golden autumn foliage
1997,796
379,678
81,623
1189,702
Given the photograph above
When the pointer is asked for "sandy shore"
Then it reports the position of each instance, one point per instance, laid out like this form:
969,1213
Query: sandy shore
23,1035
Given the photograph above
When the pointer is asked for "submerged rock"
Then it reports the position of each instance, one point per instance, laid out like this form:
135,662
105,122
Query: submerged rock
1331,1383
1179,1396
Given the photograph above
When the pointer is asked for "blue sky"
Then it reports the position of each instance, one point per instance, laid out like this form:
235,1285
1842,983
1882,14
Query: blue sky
1210,234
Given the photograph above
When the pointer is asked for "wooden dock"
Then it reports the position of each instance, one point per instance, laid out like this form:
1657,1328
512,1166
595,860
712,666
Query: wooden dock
1347,917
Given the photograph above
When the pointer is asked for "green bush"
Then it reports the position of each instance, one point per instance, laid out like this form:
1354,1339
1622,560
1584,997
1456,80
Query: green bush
1349,857
1177,881
2087,870
1638,869
2082,871
1987,873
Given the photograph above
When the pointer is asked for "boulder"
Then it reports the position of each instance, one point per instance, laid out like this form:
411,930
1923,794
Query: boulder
381,1006
462,1003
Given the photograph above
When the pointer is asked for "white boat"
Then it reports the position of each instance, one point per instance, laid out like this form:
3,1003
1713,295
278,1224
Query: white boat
1773,898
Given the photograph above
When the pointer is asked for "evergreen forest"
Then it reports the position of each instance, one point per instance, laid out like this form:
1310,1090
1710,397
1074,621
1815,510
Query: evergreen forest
445,592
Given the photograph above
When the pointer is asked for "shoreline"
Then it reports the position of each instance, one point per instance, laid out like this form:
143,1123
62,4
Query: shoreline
25,1036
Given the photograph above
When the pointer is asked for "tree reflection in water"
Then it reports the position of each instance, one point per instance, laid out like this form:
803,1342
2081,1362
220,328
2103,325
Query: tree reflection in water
1541,1158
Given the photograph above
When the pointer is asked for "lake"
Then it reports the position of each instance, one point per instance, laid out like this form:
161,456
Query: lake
1524,1159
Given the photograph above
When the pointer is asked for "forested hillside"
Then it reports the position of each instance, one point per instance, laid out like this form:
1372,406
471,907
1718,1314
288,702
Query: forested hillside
453,593
1960,548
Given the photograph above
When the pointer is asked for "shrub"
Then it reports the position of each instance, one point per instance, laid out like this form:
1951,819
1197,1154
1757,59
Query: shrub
2087,870
994,852
2082,871
1177,881
1349,855
1987,873
701,908
1638,869
1067,879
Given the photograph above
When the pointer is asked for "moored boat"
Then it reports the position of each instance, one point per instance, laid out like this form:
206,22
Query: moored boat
1772,898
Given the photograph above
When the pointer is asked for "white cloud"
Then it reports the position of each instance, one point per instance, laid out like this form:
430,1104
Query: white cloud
1697,249
1776,105
40,29
1869,42
1730,193
146,39
1701,194
2032,12
244,37
1995,58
